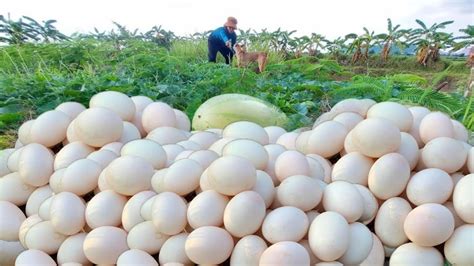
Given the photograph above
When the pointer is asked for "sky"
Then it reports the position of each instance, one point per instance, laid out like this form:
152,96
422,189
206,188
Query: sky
331,18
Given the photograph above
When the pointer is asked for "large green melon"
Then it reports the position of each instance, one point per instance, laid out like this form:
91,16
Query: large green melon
224,109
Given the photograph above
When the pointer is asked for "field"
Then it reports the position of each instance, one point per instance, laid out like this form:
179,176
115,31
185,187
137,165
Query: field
37,77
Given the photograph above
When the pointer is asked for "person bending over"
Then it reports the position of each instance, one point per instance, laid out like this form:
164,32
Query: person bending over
222,40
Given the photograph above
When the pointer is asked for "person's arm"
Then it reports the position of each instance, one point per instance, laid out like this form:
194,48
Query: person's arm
223,35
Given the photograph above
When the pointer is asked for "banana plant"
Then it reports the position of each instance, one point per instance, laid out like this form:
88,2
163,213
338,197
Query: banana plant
429,40
355,47
466,41
317,41
394,36
16,32
336,47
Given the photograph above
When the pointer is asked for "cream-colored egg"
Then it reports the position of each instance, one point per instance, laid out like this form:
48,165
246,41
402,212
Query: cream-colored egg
264,187
190,145
435,125
42,236
394,112
274,132
203,157
418,114
329,236
230,175
444,153
9,251
244,214
413,254
55,123
144,236
291,189
24,130
131,214
390,220
326,164
173,250
98,126
14,190
70,153
182,177
209,245
146,210
327,139
248,250
376,255
67,213
182,120
409,149
285,253
137,257
158,114
431,185
130,132
288,140
301,143
113,146
460,131
71,135
72,109
44,209
34,257
36,198
285,224
360,244
141,102
457,220
336,197
80,177
129,175
207,209
105,244
463,200
389,176
167,135
429,224
291,163
246,130
371,205
316,170
458,248
71,250
348,119
470,161
13,160
115,101
172,150
273,150
13,217
375,137
4,156
35,164
169,213
248,149
105,208
157,180
204,139
102,157
353,167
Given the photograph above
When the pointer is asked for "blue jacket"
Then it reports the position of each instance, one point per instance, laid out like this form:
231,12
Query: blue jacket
221,35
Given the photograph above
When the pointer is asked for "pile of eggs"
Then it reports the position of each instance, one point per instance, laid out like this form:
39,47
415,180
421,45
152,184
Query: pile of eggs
126,182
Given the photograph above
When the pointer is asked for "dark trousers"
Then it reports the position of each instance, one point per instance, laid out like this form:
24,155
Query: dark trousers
217,46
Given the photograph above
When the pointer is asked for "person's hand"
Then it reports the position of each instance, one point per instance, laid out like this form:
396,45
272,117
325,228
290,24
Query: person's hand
228,44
